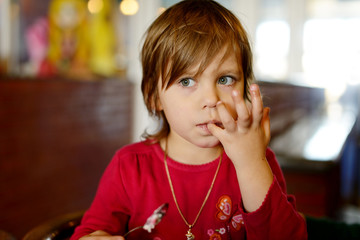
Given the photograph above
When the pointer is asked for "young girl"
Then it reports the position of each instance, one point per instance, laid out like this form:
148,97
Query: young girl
209,161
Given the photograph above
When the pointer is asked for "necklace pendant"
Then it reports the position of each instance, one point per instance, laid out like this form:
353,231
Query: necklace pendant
189,235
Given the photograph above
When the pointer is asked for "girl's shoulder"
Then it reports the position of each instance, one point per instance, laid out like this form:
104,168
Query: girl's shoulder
132,157
141,148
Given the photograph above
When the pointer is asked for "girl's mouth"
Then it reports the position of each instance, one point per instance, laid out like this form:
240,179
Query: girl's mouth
220,125
205,128
217,123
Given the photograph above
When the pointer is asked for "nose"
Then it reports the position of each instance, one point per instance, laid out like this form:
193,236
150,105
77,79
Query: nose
210,96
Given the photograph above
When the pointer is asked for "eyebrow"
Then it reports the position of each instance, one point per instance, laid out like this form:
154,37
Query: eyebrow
230,70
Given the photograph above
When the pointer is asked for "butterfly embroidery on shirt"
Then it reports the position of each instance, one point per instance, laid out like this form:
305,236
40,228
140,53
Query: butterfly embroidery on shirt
224,206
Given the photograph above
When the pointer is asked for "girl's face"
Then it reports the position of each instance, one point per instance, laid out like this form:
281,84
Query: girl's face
190,102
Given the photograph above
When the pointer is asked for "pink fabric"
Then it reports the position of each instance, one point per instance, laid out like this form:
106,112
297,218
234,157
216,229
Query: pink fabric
135,184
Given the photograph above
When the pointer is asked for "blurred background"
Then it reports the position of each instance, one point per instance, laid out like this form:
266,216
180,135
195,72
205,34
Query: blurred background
70,96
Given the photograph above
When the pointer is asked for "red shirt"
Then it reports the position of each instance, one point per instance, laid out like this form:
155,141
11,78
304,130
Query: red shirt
135,184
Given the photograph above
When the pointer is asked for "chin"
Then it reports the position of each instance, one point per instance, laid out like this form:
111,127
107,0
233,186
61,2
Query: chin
210,143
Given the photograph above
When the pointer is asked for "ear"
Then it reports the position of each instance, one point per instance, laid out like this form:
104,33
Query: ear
156,105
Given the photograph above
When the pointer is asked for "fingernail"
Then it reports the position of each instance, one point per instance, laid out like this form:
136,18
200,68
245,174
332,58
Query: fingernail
253,87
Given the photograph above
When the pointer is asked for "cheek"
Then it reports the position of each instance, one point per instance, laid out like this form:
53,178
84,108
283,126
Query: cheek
173,110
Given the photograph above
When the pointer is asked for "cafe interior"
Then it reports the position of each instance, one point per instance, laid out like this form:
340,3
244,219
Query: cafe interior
70,97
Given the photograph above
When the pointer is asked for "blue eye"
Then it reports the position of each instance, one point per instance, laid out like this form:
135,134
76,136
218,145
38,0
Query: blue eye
187,82
226,80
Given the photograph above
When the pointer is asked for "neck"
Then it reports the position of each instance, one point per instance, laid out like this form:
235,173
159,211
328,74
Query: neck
188,153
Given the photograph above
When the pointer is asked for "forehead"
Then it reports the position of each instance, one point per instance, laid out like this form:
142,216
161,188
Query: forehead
223,60
226,59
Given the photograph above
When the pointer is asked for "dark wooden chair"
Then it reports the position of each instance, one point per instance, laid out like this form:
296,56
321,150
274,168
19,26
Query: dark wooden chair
56,139
59,228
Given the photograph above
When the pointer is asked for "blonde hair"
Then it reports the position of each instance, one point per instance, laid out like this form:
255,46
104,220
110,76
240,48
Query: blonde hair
190,32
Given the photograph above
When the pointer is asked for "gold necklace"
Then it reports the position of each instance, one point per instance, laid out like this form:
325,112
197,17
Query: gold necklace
189,234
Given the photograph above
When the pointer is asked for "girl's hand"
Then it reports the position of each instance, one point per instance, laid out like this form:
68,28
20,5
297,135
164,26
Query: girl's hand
101,235
245,140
